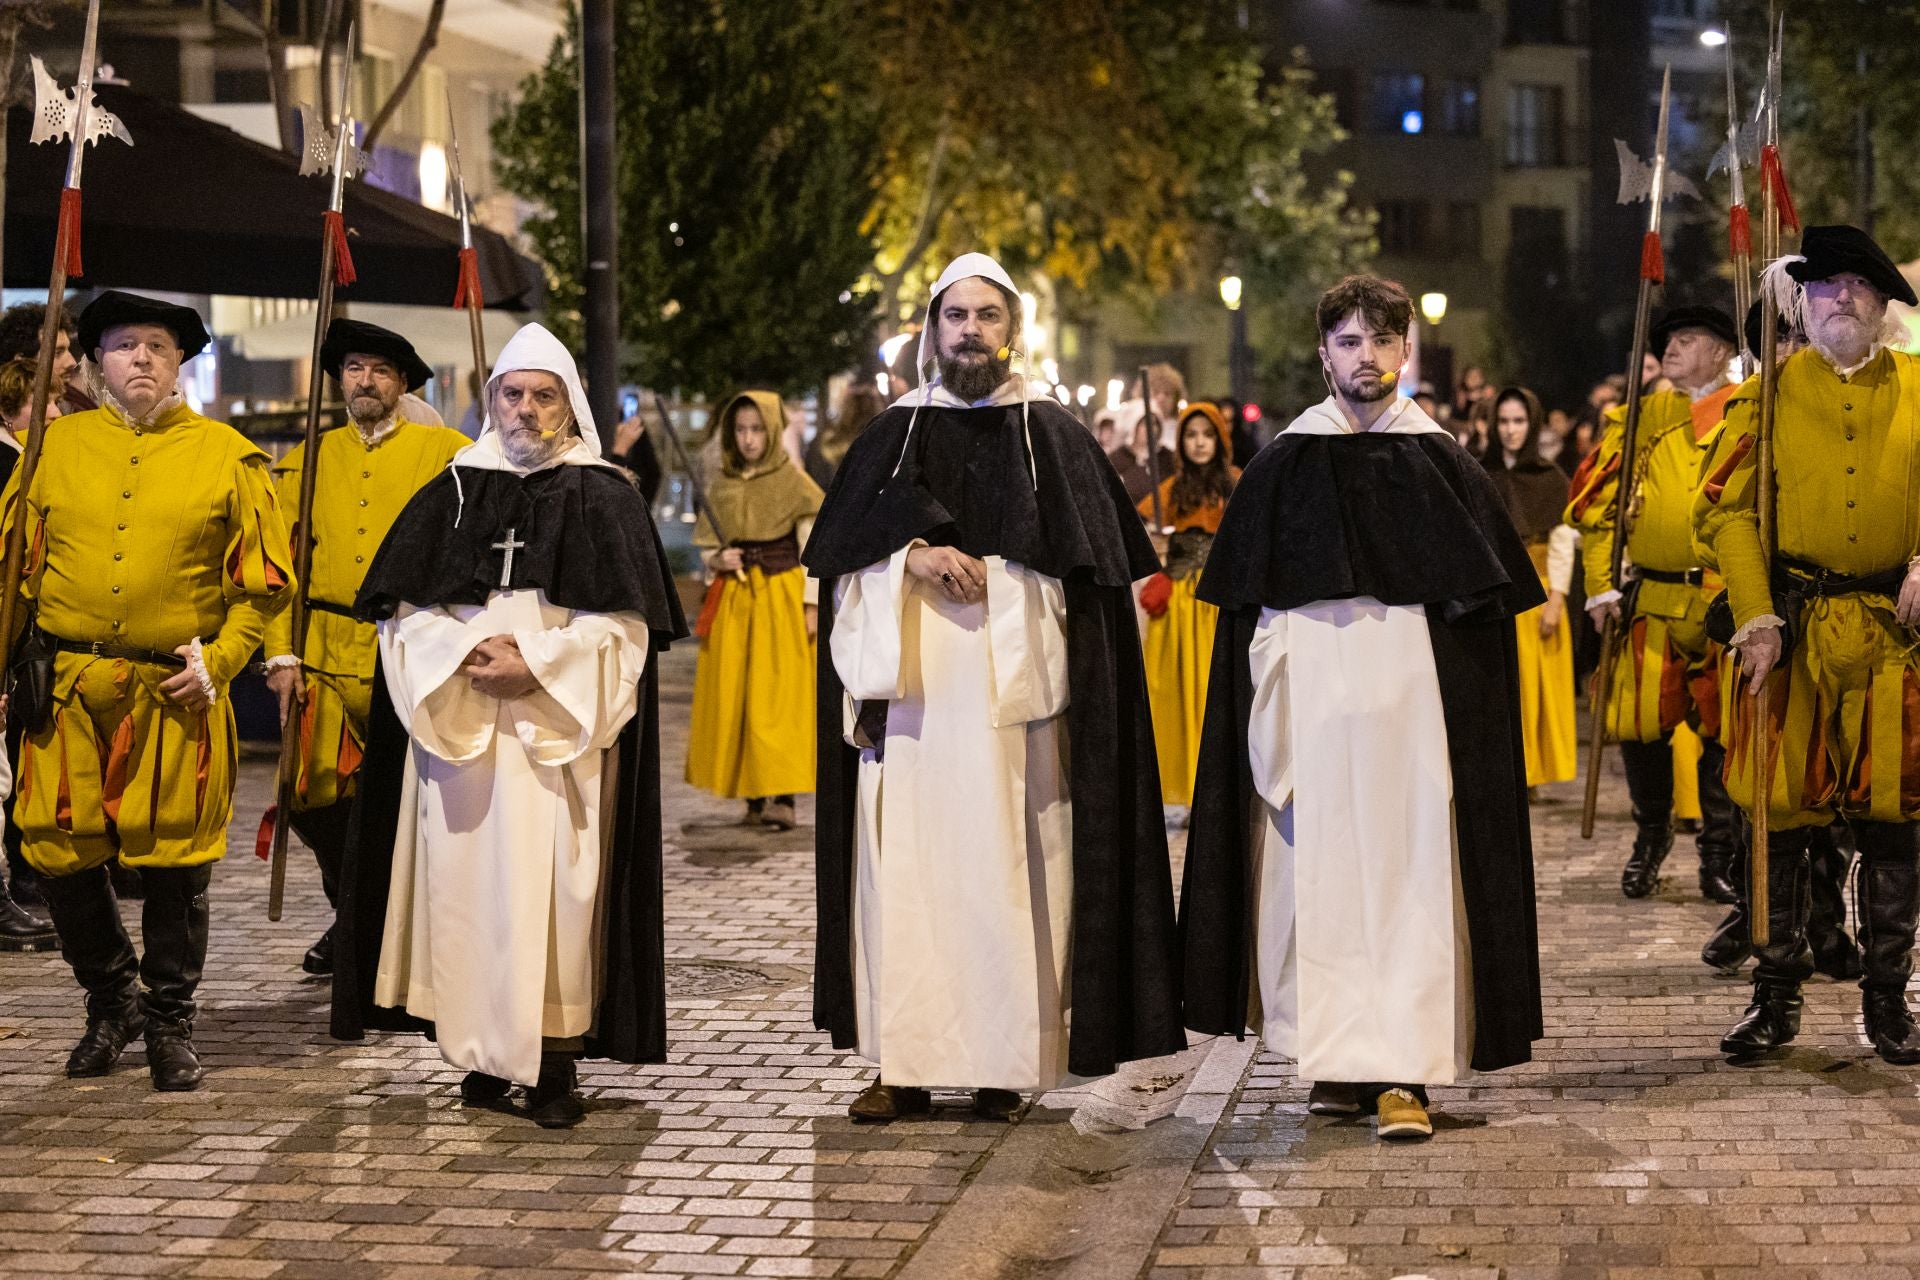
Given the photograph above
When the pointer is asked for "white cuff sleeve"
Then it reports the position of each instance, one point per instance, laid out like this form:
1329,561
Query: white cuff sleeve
1605,597
1760,623
282,660
197,663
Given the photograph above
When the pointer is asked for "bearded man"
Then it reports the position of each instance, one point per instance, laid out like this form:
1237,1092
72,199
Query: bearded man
368,469
992,858
503,883
1834,605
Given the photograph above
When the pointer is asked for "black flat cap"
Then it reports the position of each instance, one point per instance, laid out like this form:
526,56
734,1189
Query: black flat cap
357,337
1712,319
1831,250
113,308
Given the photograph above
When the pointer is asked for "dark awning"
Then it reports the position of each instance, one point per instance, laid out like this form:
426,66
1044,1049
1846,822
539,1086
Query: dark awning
193,207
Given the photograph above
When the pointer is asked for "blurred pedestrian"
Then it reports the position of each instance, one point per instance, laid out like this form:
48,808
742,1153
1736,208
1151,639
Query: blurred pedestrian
1534,492
860,405
753,704
1179,639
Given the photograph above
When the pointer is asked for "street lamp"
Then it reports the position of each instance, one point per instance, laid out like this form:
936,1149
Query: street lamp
1713,38
1433,306
1238,354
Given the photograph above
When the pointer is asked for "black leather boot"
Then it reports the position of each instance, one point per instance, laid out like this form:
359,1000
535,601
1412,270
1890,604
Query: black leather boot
1649,768
554,1103
1889,899
174,921
97,949
1729,945
324,830
1719,838
1828,870
1773,1017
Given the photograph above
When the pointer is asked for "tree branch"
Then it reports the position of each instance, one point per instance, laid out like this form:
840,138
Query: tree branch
428,39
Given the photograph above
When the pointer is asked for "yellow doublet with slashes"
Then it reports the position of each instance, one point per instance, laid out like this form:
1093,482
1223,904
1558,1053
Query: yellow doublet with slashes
150,535
1846,455
360,490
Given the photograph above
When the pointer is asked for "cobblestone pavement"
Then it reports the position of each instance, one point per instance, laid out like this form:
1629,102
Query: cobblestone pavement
1628,1149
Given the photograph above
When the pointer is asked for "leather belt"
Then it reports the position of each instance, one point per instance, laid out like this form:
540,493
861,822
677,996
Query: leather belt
1813,581
328,606
776,555
132,653
1691,577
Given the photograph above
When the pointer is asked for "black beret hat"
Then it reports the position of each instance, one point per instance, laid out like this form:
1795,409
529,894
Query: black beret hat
1828,251
1753,329
357,337
113,308
1712,319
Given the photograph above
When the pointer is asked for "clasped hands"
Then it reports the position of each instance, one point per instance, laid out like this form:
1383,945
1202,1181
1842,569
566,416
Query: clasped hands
496,668
954,574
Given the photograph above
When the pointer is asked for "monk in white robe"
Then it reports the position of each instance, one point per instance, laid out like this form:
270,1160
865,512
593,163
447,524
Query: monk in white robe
995,897
515,633
1368,906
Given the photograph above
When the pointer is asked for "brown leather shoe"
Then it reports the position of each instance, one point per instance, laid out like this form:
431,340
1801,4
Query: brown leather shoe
779,815
882,1103
1333,1098
997,1104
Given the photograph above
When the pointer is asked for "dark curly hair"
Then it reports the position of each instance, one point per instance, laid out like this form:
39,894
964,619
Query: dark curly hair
20,330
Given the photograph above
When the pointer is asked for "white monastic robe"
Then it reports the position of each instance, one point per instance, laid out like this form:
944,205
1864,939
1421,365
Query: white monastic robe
493,919
964,830
1362,970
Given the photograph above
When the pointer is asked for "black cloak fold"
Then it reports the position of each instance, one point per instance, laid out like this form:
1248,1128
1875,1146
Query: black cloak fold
965,484
1406,519
592,547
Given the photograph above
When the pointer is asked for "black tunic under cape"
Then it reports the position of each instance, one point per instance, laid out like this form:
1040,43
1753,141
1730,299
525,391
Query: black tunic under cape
590,546
965,483
1405,519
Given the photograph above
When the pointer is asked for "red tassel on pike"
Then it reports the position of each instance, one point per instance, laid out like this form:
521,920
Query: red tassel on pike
468,293
1774,175
69,229
1740,231
343,272
1653,263
263,838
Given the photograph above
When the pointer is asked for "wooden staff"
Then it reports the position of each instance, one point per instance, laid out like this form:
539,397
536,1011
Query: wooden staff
66,262
336,267
1775,204
1153,449
1626,489
467,294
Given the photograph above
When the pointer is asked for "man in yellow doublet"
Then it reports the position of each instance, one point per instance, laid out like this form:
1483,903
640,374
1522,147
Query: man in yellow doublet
1833,604
368,469
1666,672
156,557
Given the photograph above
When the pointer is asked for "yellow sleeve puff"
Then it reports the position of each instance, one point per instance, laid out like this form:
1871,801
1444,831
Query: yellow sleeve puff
1726,525
258,578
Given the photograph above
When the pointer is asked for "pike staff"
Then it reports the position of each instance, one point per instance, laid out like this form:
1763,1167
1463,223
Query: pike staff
1776,206
336,268
70,114
467,293
1652,272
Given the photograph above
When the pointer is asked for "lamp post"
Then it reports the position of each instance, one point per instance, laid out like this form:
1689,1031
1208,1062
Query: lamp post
1433,306
1239,354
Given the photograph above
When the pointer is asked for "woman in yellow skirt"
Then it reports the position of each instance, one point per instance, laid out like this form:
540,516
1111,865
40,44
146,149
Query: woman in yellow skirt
1535,493
752,736
1179,640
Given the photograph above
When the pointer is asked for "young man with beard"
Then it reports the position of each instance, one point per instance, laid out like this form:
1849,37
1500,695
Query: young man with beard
1359,876
1833,605
1666,671
504,885
368,470
992,860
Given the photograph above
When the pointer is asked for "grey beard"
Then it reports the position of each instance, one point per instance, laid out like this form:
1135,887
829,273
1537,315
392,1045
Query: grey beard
537,452
384,412
971,381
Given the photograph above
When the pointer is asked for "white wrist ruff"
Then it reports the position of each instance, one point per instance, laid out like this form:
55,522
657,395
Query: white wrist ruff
282,660
1761,623
197,663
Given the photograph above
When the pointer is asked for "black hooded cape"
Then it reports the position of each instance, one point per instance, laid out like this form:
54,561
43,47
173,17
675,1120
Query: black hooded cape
965,483
590,546
1406,519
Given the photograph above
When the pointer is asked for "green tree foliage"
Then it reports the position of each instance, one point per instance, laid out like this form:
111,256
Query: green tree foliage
1843,59
831,155
747,167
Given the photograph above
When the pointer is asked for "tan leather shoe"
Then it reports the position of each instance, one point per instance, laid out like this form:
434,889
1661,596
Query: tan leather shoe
1401,1117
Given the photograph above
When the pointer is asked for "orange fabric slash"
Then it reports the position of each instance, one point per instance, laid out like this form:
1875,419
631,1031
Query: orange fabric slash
1591,492
1717,482
113,777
